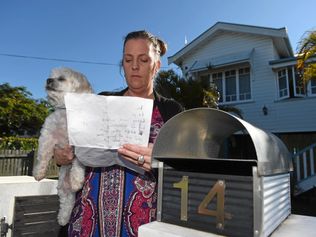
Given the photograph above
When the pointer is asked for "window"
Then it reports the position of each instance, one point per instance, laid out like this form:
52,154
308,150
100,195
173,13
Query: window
290,84
298,84
312,87
230,90
244,84
283,84
233,85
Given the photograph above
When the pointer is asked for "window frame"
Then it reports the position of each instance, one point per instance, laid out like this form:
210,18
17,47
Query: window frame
295,77
291,90
310,87
223,99
244,94
280,93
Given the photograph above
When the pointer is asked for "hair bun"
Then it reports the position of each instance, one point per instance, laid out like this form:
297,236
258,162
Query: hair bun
162,46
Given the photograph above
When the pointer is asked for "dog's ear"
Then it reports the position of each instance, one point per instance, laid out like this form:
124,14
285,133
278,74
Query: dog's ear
82,84
86,87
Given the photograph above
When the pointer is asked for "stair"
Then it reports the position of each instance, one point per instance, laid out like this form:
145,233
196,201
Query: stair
304,163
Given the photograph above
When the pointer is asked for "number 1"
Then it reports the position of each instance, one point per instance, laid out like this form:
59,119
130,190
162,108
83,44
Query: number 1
184,186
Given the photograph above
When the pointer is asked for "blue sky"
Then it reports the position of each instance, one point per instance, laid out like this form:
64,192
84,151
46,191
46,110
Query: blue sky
93,31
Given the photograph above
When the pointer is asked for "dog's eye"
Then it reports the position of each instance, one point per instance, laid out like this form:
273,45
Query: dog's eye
61,79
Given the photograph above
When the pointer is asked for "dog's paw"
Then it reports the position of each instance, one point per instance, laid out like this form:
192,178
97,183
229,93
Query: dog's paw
66,205
39,175
62,220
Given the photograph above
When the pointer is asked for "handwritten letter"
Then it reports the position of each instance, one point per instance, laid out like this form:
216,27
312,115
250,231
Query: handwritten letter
107,121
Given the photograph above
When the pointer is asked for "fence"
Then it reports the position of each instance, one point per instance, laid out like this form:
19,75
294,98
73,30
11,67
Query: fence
20,162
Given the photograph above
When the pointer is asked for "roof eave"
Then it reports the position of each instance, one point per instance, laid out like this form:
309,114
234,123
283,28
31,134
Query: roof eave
272,32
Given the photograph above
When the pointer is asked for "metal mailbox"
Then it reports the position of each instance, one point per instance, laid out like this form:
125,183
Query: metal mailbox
204,186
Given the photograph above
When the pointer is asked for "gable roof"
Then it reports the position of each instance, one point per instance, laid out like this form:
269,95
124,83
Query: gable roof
278,35
223,60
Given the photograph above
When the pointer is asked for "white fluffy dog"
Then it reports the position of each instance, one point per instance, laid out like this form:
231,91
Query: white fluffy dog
54,133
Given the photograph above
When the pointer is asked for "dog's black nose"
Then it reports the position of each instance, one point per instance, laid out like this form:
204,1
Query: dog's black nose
49,81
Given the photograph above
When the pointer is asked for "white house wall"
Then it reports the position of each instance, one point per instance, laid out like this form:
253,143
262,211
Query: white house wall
283,116
293,115
290,115
224,44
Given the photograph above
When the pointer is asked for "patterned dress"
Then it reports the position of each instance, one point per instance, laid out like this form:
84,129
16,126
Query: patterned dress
114,200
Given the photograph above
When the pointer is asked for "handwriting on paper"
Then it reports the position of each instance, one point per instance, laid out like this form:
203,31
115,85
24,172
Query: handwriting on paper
107,121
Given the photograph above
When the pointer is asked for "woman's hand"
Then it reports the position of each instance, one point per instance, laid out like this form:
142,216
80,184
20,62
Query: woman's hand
63,155
138,155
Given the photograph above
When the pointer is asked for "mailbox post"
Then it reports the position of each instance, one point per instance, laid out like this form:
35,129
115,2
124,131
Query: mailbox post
205,187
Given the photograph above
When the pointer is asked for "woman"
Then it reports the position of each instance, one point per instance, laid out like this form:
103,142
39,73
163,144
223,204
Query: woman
115,201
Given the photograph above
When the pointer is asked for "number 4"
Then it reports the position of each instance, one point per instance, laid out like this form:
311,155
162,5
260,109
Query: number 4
219,190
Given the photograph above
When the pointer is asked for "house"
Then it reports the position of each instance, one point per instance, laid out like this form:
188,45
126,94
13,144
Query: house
254,69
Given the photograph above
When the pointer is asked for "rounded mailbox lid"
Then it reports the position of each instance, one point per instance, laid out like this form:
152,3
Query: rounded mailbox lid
200,133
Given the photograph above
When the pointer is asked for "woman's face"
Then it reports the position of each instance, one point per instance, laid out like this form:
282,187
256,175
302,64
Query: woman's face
140,65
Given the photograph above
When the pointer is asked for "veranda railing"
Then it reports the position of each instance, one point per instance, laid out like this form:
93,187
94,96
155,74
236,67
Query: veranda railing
304,169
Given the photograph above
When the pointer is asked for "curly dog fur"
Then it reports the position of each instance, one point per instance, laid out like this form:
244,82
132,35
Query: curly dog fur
54,133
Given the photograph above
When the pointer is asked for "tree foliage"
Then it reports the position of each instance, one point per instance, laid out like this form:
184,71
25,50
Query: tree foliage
191,93
306,52
18,143
19,113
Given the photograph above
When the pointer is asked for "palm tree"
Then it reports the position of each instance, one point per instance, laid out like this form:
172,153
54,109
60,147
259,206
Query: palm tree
307,53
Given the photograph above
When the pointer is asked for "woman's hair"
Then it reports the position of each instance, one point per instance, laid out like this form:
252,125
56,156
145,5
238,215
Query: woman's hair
159,45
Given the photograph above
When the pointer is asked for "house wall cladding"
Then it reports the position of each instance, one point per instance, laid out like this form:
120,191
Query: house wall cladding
227,43
281,113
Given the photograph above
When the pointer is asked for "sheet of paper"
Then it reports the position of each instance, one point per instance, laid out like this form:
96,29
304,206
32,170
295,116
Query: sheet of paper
107,121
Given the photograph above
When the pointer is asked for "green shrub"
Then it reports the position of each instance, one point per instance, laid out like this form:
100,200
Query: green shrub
18,143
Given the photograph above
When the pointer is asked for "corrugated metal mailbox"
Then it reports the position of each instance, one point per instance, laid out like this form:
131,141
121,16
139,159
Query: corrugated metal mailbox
203,186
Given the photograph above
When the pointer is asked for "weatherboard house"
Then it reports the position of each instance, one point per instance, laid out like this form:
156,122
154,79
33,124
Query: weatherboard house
220,174
254,70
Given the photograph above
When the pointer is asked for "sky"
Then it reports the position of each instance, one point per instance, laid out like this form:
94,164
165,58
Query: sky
87,36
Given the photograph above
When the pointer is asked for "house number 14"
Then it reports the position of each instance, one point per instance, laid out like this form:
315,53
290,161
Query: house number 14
217,190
